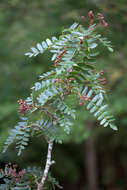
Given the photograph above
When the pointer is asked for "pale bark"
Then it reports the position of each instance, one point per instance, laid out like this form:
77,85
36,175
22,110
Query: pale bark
49,162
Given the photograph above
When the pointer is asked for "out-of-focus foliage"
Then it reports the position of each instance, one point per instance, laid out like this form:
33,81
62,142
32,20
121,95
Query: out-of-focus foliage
23,24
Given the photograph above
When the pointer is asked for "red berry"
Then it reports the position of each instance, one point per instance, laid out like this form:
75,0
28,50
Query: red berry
105,24
81,41
90,14
101,72
20,101
71,79
80,103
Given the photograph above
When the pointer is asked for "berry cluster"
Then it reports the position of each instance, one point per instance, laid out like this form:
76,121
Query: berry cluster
102,80
65,81
23,106
101,20
11,172
83,99
58,81
67,87
91,18
58,57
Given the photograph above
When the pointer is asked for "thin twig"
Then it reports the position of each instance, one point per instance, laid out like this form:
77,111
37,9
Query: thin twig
49,162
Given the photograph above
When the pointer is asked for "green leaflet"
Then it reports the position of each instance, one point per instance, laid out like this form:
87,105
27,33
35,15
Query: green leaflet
97,107
21,186
62,106
48,74
20,134
41,47
47,94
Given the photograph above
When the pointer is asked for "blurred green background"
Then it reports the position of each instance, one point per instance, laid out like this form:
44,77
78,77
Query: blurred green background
92,157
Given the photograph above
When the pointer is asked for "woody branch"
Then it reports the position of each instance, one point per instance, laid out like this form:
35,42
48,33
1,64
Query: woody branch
49,162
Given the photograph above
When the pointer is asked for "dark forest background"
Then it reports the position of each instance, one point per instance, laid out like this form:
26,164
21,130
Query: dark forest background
92,157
